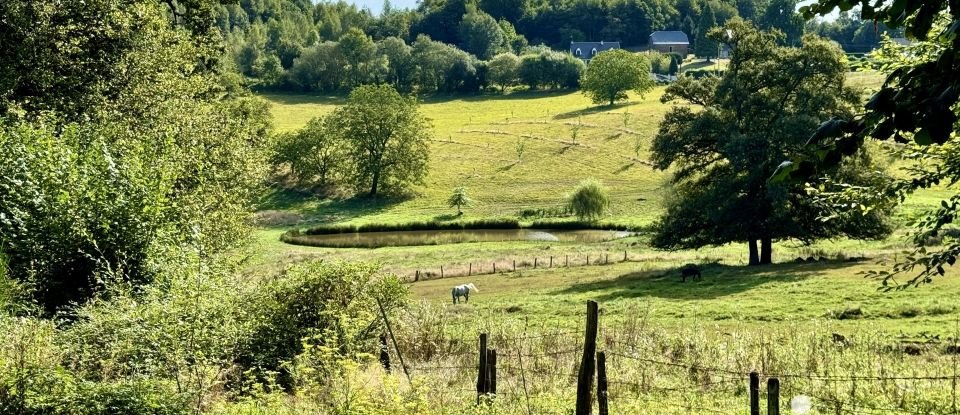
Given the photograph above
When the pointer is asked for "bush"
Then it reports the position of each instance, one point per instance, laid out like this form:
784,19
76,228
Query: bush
544,68
317,307
589,201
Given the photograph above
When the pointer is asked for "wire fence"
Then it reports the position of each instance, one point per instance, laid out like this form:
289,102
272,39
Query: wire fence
530,365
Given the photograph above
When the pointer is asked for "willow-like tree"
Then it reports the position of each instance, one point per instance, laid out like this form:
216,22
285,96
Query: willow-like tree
733,132
589,201
612,74
386,138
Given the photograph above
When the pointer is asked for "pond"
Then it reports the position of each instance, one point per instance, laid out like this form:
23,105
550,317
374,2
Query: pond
438,237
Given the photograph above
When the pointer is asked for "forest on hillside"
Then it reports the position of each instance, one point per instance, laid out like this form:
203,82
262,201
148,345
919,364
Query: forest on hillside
449,45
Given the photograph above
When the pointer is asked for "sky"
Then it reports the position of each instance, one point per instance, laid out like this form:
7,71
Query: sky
376,5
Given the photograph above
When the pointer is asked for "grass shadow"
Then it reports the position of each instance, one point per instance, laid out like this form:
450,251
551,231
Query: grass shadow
508,167
718,281
315,209
447,217
624,168
592,110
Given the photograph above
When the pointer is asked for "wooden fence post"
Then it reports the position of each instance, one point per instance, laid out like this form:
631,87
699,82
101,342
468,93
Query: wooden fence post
754,393
587,363
384,354
492,372
514,265
441,271
417,277
393,338
773,396
606,259
551,261
494,267
588,259
482,368
534,262
602,383
470,270
624,255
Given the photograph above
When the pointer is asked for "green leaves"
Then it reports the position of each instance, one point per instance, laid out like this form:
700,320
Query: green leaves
611,74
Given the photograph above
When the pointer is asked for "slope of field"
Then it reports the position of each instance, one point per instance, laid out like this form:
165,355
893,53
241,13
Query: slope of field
566,139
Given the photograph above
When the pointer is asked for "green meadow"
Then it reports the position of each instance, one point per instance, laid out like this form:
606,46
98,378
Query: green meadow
780,317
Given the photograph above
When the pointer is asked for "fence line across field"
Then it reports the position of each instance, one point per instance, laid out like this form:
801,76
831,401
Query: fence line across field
506,366
513,264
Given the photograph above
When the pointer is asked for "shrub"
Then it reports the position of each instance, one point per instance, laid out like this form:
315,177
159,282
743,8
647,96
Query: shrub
330,306
589,201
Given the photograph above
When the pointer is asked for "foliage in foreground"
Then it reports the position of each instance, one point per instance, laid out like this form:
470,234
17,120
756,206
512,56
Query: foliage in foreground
120,144
201,333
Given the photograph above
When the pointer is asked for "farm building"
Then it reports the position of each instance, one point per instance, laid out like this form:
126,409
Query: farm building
587,50
670,41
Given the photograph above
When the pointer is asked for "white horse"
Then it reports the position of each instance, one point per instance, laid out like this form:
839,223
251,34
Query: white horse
463,291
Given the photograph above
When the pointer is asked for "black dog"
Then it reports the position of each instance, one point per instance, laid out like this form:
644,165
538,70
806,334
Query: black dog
692,271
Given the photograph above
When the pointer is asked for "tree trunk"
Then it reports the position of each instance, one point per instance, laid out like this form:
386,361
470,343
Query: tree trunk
754,253
376,183
766,251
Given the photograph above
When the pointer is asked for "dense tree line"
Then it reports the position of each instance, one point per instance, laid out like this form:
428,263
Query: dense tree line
449,45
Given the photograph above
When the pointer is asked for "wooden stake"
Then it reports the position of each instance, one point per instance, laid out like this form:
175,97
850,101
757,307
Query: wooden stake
602,383
754,393
386,321
482,368
773,396
587,362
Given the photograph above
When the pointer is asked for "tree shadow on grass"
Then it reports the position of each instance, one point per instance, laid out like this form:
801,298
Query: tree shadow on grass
295,98
624,168
507,167
592,110
718,281
316,209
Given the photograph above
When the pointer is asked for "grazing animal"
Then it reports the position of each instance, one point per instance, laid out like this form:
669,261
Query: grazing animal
463,291
691,271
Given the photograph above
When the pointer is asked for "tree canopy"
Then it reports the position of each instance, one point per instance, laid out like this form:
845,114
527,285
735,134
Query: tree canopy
386,138
725,148
612,73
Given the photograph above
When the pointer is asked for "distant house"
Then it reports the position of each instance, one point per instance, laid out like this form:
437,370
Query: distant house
587,50
670,41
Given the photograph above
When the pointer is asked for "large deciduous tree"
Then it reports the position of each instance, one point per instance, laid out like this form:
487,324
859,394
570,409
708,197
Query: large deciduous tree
481,35
610,75
386,137
782,15
733,132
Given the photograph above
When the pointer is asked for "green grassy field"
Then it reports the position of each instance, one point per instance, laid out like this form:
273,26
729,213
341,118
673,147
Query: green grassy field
779,318
475,146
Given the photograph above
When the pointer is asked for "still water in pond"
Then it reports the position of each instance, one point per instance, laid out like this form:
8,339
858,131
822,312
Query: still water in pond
406,238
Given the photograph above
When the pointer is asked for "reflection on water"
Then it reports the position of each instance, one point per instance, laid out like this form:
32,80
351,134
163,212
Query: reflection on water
406,238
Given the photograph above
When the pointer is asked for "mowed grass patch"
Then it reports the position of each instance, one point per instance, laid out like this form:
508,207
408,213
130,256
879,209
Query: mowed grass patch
832,293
